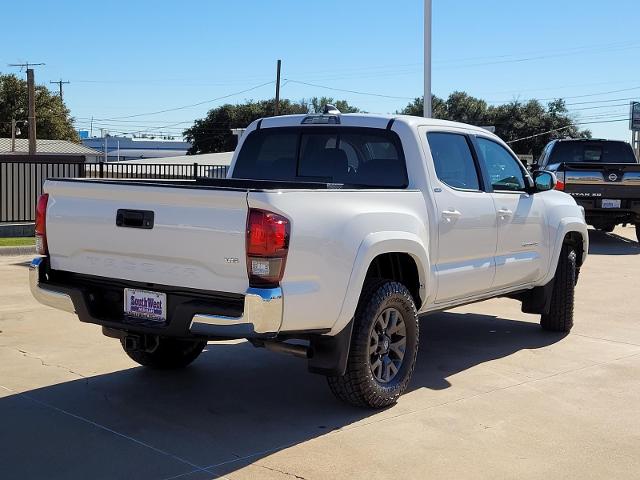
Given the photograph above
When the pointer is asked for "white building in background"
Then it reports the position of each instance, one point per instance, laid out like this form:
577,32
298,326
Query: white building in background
127,148
223,158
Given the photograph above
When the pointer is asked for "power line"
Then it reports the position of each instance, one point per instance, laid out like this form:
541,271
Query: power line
540,57
599,106
348,91
601,101
194,104
588,48
566,127
564,97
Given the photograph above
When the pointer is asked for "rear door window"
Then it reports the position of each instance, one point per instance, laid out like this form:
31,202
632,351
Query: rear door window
505,172
357,156
453,160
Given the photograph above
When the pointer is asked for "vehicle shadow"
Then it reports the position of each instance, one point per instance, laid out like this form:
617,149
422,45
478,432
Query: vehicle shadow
234,405
22,263
601,243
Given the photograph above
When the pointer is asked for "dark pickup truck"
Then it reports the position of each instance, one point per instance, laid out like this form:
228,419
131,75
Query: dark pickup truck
603,176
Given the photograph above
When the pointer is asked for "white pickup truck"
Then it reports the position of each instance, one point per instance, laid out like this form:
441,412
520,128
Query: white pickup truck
330,236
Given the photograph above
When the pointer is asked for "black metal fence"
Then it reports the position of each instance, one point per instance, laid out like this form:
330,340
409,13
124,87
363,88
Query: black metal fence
21,182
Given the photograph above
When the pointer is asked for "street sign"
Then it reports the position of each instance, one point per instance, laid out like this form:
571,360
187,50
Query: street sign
634,117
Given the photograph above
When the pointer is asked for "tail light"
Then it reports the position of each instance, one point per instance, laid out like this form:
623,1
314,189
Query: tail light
560,181
267,247
41,225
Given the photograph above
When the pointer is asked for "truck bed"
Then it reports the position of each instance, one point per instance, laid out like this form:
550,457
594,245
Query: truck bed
222,183
188,233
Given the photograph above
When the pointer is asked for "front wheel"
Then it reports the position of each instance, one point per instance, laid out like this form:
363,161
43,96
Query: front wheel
384,346
560,316
168,353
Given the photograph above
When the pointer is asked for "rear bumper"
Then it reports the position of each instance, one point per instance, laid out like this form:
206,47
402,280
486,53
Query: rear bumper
261,315
629,211
52,297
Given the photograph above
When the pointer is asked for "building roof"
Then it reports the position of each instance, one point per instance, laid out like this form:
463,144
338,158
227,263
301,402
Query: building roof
48,147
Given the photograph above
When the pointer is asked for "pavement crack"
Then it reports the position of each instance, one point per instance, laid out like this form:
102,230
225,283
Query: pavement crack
279,471
52,365
606,339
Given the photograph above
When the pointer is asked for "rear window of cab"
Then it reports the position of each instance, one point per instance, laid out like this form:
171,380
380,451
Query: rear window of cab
591,152
367,157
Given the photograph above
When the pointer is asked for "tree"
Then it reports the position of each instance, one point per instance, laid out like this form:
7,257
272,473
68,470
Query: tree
213,133
53,120
513,121
416,107
315,105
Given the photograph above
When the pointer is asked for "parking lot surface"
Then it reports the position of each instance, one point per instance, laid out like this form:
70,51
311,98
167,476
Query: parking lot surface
493,396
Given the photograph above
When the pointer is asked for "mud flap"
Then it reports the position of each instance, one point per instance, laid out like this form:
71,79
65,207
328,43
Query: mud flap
330,354
538,299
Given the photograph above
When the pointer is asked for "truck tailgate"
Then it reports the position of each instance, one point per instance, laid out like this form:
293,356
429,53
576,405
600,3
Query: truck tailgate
591,183
197,239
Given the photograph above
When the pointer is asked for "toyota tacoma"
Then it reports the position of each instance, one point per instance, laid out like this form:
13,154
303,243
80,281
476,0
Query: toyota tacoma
331,235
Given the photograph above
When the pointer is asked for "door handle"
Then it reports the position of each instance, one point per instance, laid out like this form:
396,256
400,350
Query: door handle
135,218
504,213
450,215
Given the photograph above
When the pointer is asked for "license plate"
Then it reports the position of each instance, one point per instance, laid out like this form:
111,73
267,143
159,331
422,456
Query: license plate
606,203
145,304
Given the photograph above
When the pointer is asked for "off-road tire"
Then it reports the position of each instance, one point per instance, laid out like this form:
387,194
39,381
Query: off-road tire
560,316
169,354
358,386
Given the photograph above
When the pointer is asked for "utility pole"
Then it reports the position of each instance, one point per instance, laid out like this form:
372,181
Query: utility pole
104,132
31,90
13,135
277,107
428,112
60,83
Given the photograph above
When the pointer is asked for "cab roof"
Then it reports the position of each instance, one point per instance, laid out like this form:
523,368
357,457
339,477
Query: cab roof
364,120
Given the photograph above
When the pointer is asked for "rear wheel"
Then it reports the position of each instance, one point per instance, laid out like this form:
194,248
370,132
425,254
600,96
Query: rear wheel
560,316
384,345
168,353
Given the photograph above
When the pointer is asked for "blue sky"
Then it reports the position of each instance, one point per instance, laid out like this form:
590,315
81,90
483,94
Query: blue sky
126,58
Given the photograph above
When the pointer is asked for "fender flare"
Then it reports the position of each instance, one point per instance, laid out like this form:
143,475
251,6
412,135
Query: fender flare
567,225
373,245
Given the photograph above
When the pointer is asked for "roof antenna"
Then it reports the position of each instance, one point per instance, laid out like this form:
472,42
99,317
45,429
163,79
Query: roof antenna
329,109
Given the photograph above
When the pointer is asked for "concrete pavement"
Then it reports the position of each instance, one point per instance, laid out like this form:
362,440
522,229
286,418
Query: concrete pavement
493,396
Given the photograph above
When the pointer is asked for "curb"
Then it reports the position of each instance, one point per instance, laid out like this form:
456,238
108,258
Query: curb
15,251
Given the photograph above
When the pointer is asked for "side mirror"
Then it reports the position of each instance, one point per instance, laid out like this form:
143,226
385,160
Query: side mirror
544,180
